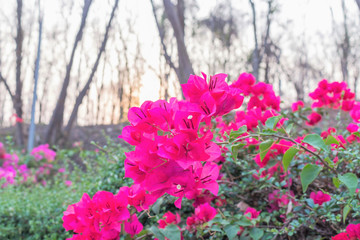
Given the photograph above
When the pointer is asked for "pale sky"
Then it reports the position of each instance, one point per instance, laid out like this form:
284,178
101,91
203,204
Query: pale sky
302,17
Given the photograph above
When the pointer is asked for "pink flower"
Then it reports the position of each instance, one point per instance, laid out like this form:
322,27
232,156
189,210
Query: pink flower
205,212
352,127
169,218
133,226
252,212
352,233
295,106
100,217
68,183
61,170
43,152
320,197
314,118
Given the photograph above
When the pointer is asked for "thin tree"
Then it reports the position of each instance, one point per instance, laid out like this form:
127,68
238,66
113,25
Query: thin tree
85,89
256,53
176,15
36,78
56,121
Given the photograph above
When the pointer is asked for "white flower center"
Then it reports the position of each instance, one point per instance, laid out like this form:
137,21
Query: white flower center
190,117
178,187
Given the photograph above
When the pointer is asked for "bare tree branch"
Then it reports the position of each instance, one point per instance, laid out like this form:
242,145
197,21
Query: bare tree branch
162,40
2,79
256,54
17,100
83,92
185,66
57,118
358,3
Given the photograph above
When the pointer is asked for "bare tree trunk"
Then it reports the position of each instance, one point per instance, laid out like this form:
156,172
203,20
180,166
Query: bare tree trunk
358,3
176,18
267,49
84,91
56,122
120,86
162,40
99,94
19,85
345,47
175,14
256,54
36,78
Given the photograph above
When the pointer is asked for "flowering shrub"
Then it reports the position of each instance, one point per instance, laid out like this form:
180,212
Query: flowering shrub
258,173
36,168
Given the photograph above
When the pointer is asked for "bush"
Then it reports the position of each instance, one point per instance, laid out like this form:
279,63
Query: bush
34,211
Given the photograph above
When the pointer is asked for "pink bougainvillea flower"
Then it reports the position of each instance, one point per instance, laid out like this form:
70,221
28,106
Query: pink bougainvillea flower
138,198
245,83
43,152
297,105
320,197
314,118
131,135
205,212
132,226
352,127
169,218
352,233
195,87
347,105
251,213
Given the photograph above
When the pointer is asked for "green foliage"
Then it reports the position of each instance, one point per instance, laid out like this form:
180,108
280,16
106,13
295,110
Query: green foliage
33,211
308,175
350,180
316,141
288,157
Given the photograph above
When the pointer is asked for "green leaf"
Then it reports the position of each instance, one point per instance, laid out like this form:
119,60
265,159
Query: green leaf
308,175
215,228
336,182
271,122
231,231
356,134
172,232
264,148
256,233
289,127
288,157
244,222
331,163
316,141
346,211
157,205
331,140
235,149
350,180
237,133
156,231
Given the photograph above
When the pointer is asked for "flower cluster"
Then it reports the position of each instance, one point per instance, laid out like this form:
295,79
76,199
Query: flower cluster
171,155
203,213
334,95
11,169
261,94
100,217
352,233
320,197
175,154
43,152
